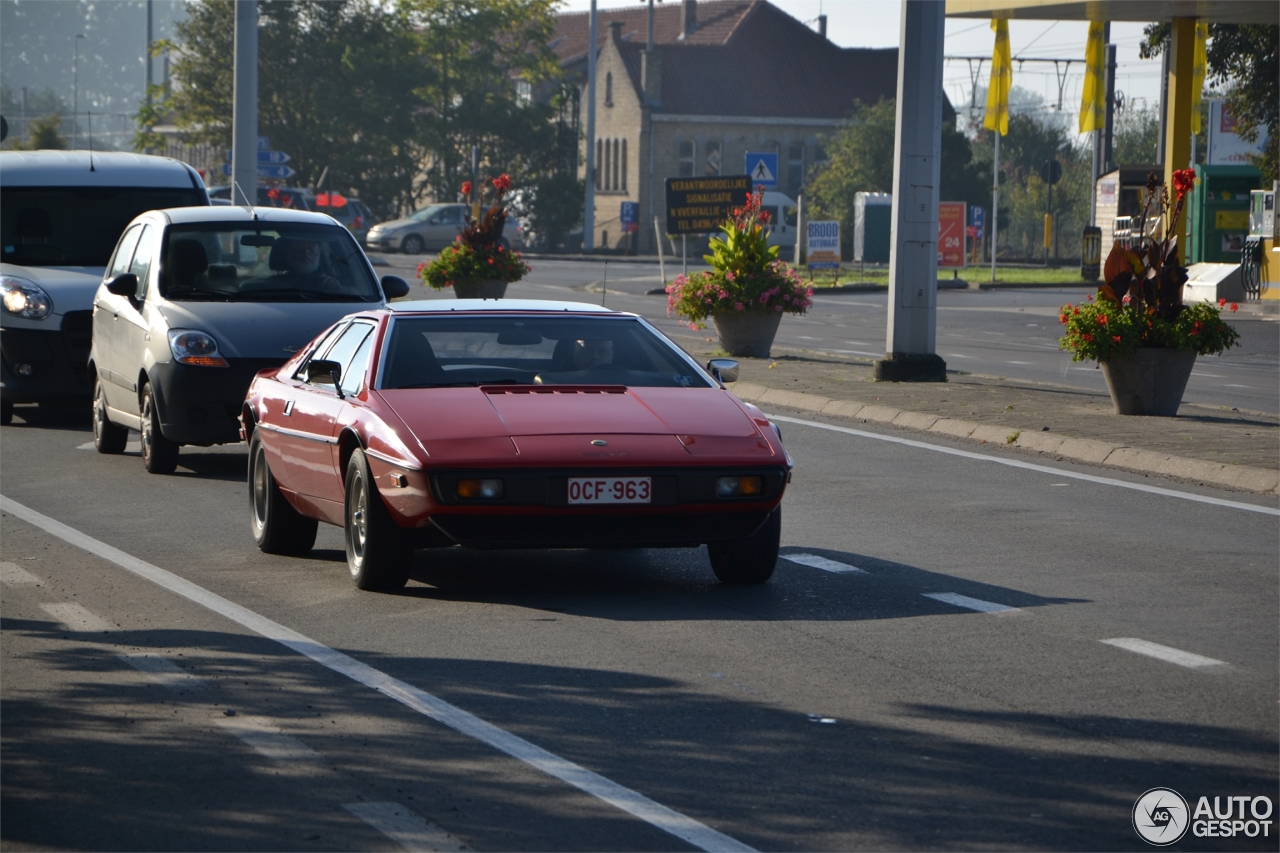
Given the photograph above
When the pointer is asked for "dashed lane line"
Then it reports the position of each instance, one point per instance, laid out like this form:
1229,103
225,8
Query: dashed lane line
265,738
1031,466
1164,653
164,672
968,603
76,618
814,561
406,828
593,784
11,574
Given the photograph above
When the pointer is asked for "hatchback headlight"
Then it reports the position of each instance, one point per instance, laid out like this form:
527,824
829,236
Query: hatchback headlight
191,346
25,299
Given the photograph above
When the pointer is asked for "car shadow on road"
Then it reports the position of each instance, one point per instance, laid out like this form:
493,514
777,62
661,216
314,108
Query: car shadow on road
102,753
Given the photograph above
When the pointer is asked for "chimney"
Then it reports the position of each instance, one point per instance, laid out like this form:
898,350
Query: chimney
651,77
822,25
688,18
615,31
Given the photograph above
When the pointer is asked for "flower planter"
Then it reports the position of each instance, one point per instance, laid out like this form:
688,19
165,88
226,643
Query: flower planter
1149,382
747,333
491,288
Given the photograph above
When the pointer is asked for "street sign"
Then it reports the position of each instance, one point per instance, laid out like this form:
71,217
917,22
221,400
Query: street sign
978,219
629,213
264,144
1051,172
266,156
762,167
701,205
951,233
823,240
276,172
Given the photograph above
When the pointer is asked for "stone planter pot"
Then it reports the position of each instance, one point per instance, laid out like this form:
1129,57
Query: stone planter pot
1149,382
747,334
490,288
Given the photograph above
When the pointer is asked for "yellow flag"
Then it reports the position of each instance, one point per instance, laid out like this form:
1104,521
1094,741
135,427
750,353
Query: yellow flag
997,117
1093,103
1198,62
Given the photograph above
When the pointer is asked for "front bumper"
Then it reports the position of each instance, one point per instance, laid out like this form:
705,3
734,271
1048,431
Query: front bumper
382,242
202,405
47,365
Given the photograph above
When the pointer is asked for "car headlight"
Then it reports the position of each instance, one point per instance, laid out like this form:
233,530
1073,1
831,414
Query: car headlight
25,299
190,346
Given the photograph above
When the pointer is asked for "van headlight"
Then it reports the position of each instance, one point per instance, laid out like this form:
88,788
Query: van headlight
25,299
191,346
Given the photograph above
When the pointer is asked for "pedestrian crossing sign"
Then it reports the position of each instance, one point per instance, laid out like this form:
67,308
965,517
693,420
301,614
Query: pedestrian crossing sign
762,167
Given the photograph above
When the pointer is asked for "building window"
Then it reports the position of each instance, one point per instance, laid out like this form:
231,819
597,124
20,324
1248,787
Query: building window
616,151
608,89
624,165
685,151
599,164
795,167
524,93
712,162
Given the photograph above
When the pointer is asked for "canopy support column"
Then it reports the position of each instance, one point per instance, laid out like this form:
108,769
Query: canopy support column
1177,142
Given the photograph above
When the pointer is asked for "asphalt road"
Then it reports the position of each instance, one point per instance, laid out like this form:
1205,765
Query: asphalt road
1011,333
867,707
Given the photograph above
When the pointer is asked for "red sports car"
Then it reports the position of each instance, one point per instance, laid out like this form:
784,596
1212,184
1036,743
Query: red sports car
509,424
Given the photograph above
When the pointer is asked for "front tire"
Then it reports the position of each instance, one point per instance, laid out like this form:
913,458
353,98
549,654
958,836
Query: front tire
379,551
749,560
412,245
107,437
159,454
278,528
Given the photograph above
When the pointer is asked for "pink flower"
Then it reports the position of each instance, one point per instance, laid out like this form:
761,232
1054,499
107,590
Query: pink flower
729,276
738,306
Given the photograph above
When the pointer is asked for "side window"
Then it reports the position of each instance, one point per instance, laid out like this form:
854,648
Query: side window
452,215
142,259
318,352
124,252
684,151
353,376
346,346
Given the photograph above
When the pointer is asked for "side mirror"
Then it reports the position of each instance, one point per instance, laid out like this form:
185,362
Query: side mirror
394,286
125,284
723,369
322,372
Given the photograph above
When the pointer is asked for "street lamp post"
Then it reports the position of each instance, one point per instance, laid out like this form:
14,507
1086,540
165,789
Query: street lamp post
75,94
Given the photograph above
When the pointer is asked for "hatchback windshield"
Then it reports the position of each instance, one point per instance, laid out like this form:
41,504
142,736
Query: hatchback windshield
76,226
432,352
265,262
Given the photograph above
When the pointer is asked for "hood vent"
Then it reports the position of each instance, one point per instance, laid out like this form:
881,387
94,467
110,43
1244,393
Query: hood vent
553,389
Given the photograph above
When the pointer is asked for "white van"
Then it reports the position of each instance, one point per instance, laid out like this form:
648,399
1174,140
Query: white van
61,214
782,218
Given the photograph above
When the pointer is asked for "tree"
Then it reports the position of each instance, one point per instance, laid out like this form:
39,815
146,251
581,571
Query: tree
43,133
44,111
1245,60
1135,137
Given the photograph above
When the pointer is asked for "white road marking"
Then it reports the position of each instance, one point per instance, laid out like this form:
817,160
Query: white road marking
806,338
593,784
958,355
968,603
1164,653
164,672
11,574
823,563
130,447
265,738
1207,375
411,831
1031,466
77,618
852,352
1240,386
1018,362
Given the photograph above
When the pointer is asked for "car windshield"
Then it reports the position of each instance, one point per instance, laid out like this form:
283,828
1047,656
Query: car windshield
434,352
76,226
426,213
264,262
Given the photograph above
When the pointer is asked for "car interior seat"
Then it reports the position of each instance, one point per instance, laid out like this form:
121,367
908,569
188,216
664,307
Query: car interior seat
188,262
412,361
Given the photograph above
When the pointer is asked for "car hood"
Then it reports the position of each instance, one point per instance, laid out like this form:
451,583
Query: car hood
70,288
706,421
397,224
258,329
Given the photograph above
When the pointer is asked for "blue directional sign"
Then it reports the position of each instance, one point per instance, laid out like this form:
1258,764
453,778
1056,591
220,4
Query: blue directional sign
266,171
762,168
267,156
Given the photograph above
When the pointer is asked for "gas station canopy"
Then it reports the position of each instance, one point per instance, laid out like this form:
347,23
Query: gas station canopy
1213,11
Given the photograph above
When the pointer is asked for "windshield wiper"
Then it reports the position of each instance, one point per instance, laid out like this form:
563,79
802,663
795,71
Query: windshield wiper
473,384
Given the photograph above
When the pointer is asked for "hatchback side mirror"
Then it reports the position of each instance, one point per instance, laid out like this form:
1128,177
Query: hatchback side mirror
125,284
394,286
323,372
723,369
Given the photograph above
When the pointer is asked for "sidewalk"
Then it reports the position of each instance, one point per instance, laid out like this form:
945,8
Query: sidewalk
1204,444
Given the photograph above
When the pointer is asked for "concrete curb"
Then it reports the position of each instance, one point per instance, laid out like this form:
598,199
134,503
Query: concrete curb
1261,480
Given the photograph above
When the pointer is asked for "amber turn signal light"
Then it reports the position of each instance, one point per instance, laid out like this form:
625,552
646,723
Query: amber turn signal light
479,489
738,487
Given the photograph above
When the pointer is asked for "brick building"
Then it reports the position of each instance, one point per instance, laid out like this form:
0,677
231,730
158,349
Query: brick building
725,77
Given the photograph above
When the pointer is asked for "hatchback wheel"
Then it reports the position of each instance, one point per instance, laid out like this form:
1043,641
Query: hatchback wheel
412,245
159,454
107,437
749,560
278,528
379,551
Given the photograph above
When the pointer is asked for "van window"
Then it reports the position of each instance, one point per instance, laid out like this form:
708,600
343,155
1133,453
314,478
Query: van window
76,226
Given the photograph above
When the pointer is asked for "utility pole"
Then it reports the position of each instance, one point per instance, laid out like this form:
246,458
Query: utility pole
244,133
75,94
589,212
148,55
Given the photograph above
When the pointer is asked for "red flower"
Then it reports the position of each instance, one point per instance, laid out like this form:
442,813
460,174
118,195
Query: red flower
1062,318
1115,338
1222,302
466,188
502,183
1235,306
1184,180
1088,337
1102,319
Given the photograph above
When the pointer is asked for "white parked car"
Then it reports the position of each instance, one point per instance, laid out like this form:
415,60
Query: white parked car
195,301
61,213
431,229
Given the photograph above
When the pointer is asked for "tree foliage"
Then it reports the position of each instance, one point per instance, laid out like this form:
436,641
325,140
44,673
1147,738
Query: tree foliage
1243,59
45,112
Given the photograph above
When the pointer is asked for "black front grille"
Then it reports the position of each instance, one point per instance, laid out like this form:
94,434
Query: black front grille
77,335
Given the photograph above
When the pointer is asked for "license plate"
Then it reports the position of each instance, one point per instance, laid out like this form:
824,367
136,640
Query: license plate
609,490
